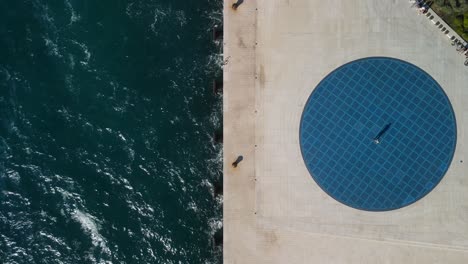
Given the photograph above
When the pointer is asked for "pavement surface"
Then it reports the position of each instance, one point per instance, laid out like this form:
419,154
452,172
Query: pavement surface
276,52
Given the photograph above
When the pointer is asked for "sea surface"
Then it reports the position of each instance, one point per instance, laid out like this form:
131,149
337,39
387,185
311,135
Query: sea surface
106,131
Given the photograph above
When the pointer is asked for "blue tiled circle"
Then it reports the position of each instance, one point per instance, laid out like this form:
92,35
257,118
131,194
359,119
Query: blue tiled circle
378,134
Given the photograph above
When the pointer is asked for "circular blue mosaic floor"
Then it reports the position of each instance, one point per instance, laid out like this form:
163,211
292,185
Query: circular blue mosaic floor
378,134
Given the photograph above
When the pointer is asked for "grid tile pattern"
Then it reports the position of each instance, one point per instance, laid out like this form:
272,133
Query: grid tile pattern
350,107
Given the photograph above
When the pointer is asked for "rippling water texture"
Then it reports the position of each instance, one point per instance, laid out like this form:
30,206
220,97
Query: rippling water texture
106,117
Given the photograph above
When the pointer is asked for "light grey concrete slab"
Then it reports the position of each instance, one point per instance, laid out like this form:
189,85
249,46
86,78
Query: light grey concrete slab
274,212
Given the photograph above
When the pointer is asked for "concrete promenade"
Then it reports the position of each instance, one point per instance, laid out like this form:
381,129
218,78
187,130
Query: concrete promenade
276,52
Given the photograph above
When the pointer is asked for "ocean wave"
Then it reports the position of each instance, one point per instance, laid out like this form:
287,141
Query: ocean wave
69,85
215,225
215,63
71,61
181,18
4,74
74,17
52,47
12,176
215,16
85,51
158,17
90,225
45,15
109,142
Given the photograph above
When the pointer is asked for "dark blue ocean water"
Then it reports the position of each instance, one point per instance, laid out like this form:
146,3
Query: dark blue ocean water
106,122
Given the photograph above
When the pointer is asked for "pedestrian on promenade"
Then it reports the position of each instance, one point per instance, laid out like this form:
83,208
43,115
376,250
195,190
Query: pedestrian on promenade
239,159
237,4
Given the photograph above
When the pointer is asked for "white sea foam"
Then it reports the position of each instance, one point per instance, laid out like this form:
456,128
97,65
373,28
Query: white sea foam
6,73
71,61
73,16
69,84
52,47
143,210
89,225
86,52
122,137
158,16
133,11
126,184
16,197
215,225
48,18
13,176
181,18
57,242
192,206
144,169
167,243
215,62
215,16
